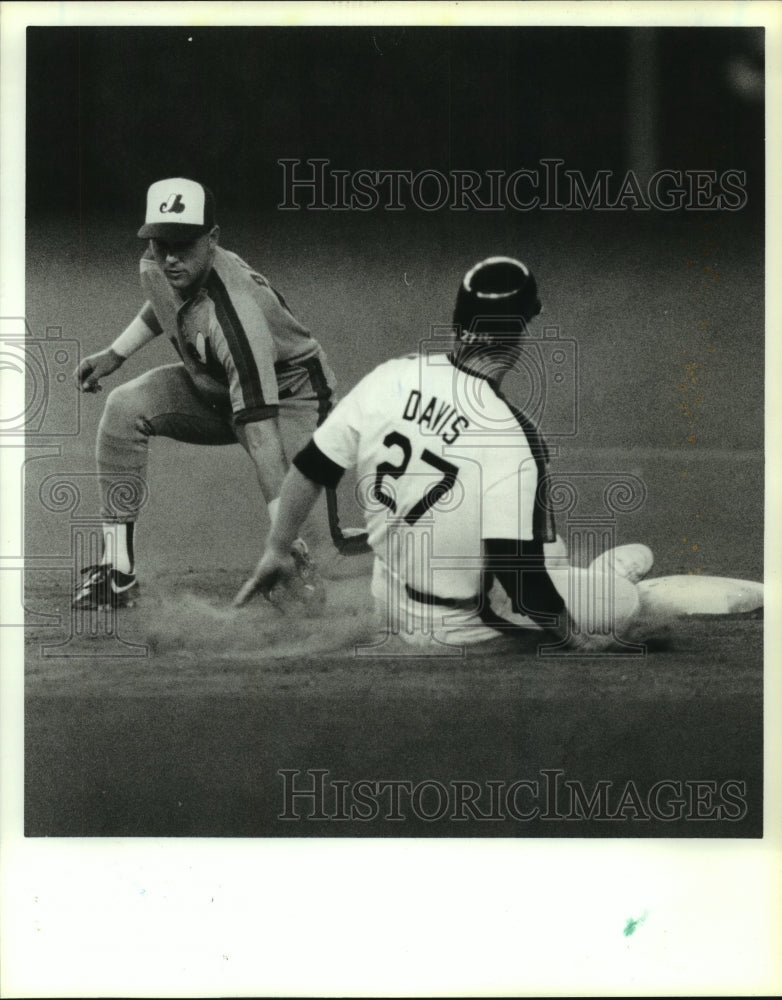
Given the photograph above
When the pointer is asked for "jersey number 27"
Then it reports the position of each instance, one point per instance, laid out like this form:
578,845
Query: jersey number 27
435,492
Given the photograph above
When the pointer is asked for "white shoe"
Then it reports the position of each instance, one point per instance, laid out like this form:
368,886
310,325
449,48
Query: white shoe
633,562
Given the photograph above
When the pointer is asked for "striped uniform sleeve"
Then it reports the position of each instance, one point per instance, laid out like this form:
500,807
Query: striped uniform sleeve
248,352
147,315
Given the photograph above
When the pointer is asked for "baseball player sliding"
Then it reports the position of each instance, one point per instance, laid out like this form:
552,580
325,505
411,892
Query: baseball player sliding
452,479
249,373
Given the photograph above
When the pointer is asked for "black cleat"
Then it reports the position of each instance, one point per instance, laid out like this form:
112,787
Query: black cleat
106,587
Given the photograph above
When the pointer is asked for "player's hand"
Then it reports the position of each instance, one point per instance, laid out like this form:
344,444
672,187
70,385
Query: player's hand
271,570
95,367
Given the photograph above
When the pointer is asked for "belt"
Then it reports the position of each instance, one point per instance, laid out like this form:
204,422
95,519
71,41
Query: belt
297,361
463,603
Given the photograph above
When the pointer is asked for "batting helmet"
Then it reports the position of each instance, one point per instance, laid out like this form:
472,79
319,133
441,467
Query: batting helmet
496,300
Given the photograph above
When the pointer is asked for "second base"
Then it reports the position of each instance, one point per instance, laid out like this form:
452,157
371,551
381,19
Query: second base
699,595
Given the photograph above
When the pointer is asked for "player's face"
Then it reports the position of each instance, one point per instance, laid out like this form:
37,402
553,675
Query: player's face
187,263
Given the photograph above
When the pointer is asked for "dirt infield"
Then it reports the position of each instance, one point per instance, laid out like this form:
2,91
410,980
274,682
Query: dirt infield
199,734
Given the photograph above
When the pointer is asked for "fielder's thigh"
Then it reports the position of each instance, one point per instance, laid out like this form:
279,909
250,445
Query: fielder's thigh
164,402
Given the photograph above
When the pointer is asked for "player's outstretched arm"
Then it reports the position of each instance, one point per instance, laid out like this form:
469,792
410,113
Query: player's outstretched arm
297,498
97,366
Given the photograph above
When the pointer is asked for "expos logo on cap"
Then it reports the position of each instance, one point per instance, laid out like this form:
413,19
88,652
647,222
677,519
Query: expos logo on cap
178,209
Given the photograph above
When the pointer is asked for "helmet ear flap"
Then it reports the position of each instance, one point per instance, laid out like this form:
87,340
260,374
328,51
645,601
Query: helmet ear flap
495,301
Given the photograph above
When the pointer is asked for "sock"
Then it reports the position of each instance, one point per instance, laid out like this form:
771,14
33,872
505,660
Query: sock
118,546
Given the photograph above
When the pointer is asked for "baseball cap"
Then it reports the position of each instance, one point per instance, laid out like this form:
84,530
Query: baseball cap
498,295
178,209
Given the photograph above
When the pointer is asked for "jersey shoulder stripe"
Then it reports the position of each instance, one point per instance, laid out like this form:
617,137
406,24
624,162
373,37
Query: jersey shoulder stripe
237,341
261,308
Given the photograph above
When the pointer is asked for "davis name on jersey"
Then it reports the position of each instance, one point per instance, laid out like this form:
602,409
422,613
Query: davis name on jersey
437,416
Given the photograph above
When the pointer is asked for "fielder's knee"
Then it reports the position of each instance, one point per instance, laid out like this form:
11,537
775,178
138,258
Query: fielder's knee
123,416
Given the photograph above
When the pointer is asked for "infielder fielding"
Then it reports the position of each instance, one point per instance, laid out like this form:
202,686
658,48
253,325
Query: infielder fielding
249,373
450,474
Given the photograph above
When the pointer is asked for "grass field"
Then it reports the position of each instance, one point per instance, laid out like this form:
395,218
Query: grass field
186,732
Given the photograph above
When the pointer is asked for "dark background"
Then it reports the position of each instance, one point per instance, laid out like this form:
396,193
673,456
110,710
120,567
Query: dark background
110,110
666,311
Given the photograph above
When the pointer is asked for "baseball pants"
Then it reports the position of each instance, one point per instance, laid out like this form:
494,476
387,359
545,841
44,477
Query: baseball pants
163,402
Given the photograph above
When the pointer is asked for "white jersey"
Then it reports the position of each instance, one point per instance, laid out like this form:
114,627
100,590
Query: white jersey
442,462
